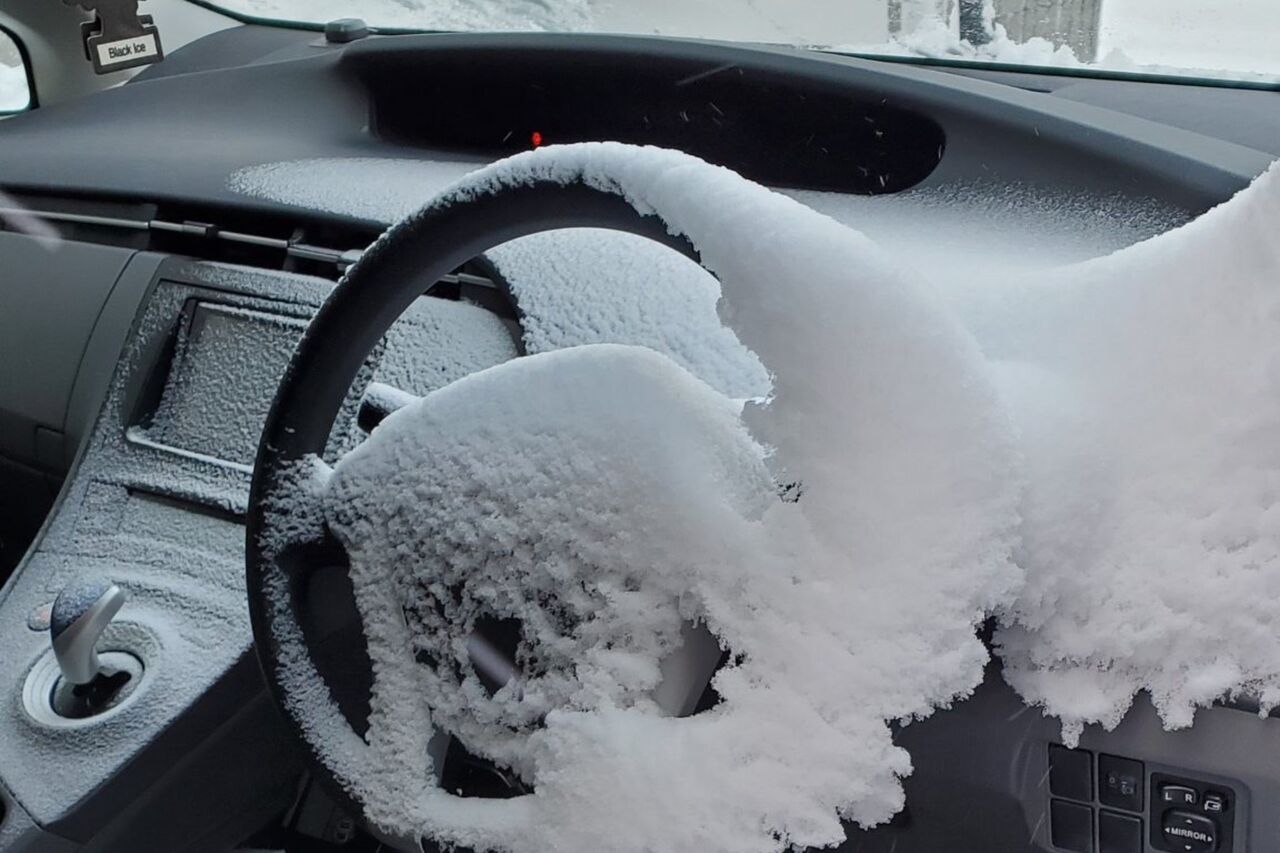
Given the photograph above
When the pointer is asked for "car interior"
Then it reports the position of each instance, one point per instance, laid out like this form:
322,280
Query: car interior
169,232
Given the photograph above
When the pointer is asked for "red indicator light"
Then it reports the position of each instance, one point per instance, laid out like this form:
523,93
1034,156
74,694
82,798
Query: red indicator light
536,138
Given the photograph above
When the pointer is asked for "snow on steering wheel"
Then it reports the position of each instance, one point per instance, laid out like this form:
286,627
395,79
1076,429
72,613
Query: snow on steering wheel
840,539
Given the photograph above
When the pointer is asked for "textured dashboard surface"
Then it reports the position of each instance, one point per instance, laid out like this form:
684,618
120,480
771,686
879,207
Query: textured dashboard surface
183,571
162,521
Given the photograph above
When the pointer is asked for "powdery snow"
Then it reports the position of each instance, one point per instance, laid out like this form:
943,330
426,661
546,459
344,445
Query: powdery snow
955,232
1141,382
374,188
572,287
589,286
437,341
605,495
584,285
961,234
440,15
1147,387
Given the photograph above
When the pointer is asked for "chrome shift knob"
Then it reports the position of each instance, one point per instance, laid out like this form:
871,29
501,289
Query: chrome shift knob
82,611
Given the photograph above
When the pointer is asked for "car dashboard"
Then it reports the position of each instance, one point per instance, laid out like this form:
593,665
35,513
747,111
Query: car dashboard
148,346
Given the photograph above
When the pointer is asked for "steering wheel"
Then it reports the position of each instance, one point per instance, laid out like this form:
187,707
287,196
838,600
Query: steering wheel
287,543
794,590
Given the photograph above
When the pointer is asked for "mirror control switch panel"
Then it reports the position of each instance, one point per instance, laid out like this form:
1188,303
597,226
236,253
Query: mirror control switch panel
1190,816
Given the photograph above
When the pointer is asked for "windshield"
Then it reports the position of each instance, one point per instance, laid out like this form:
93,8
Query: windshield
1214,40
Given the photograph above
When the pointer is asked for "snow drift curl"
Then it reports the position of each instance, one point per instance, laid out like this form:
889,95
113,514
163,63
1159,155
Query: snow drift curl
602,494
1147,387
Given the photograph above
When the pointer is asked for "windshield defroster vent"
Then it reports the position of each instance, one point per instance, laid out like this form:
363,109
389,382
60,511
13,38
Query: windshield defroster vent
243,237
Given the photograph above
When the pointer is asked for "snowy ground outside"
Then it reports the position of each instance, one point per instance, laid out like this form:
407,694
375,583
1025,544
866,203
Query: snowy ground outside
1230,34
790,21
13,77
1230,39
1223,38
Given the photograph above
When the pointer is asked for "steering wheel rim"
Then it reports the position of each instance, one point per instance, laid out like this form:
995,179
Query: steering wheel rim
453,229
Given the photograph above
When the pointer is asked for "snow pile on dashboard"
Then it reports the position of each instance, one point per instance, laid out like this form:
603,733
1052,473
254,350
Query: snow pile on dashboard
961,233
1147,384
603,495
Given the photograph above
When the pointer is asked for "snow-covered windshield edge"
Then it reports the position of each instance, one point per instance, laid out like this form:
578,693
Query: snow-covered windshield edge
930,47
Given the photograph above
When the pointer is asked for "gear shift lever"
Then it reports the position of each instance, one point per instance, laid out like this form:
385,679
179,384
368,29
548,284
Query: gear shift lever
82,611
